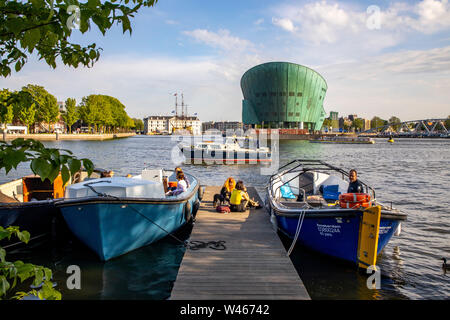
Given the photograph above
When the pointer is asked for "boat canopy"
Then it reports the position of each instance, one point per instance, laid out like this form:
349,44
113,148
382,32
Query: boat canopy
117,187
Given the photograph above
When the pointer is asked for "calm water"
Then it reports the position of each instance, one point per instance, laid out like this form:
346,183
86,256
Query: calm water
413,174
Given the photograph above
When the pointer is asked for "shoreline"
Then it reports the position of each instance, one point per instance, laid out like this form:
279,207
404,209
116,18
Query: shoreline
66,136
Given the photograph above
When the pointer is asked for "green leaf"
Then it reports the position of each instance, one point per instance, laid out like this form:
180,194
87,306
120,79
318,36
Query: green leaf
65,174
23,236
4,285
2,254
41,167
74,165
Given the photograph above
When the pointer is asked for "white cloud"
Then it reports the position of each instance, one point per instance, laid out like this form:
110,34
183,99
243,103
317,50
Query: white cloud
411,84
331,22
221,39
259,21
284,23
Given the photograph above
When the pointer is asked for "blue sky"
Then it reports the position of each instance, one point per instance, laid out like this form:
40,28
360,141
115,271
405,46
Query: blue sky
395,61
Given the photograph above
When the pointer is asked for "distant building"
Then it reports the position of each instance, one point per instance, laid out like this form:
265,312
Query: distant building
352,117
222,126
334,117
283,95
366,124
169,124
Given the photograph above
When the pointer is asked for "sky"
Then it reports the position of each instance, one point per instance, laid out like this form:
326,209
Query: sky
379,58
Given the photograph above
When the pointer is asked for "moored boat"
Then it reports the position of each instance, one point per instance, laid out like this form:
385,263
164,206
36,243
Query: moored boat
309,203
234,150
28,203
113,216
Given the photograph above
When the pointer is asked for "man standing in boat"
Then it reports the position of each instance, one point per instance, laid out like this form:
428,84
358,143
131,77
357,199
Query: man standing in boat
355,186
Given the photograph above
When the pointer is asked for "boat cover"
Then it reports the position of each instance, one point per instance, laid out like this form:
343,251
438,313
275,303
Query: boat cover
118,187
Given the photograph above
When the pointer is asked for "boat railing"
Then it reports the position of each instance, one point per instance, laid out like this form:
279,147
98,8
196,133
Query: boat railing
313,165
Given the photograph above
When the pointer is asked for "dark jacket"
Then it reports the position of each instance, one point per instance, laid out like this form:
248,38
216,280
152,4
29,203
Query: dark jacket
355,187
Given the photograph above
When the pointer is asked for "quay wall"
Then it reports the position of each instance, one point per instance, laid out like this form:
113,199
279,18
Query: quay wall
63,136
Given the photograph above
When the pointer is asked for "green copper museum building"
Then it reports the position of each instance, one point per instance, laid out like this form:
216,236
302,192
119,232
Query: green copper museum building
283,95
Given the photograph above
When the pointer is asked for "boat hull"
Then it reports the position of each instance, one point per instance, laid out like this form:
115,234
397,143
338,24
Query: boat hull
335,236
198,156
35,217
116,226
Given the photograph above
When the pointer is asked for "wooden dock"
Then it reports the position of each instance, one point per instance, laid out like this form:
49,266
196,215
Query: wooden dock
254,264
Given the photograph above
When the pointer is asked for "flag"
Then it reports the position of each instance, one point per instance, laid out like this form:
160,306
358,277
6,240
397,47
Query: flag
195,114
173,111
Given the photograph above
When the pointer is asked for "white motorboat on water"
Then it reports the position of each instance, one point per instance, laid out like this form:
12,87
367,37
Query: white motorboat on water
231,150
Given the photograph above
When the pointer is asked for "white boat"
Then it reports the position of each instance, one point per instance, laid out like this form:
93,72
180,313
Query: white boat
231,150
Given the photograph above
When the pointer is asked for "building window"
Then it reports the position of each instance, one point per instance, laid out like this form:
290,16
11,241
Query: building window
290,114
282,93
274,114
273,94
297,103
291,94
257,94
297,114
283,114
299,94
264,94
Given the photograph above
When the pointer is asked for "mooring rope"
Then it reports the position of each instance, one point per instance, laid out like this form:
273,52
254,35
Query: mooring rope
297,231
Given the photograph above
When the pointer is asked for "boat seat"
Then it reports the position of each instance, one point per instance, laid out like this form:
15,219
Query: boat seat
306,182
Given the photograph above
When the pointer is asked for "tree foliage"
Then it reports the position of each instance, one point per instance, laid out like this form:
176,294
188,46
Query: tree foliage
45,162
105,113
11,272
70,115
45,27
46,104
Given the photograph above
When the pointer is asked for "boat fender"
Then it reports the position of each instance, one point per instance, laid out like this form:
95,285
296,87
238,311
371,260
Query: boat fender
187,211
201,191
195,208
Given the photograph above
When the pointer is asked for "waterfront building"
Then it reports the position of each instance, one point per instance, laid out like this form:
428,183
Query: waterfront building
283,95
222,126
366,124
170,124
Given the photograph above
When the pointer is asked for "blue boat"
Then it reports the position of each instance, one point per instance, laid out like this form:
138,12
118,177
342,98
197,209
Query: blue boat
308,202
116,215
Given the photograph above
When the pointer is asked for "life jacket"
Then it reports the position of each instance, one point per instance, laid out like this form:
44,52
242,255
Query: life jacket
236,197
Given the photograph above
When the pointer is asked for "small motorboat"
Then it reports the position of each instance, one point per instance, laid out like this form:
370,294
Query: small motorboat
233,150
28,203
309,203
113,216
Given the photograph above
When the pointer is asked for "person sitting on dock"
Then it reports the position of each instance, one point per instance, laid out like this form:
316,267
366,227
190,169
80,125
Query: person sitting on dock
355,185
225,192
239,198
181,185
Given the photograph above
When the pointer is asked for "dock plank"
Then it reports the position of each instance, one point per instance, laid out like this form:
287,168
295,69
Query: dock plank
254,264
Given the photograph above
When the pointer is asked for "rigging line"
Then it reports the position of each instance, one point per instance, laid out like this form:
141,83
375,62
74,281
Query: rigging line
297,231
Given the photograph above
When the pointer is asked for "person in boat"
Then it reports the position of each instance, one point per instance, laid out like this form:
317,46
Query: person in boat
181,185
225,192
166,182
355,185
